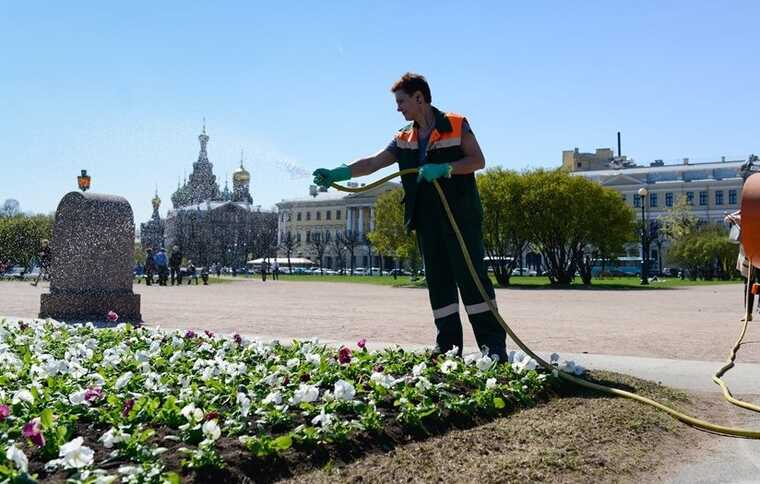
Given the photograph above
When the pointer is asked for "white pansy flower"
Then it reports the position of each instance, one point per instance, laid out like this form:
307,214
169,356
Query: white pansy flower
305,393
382,379
484,363
74,455
113,436
77,398
554,358
23,396
344,390
292,363
192,413
211,430
244,402
18,458
205,347
123,380
274,398
448,366
471,358
323,419
423,384
491,383
313,359
526,363
418,369
453,352
142,356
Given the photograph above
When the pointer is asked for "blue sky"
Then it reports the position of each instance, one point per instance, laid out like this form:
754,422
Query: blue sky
122,90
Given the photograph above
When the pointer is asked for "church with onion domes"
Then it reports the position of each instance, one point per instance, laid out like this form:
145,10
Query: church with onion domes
210,225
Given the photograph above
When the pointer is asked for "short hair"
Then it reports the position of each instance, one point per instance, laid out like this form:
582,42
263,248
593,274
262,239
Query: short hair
411,83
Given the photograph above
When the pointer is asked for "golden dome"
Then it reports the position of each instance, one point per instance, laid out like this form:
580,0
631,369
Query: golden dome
156,201
241,175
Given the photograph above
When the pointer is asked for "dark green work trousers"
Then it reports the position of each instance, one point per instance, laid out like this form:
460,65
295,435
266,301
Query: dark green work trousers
446,270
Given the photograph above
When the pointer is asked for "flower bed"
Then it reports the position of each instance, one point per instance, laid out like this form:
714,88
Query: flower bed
142,404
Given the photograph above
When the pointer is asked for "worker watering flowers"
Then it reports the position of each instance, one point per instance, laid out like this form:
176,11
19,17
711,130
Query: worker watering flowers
442,147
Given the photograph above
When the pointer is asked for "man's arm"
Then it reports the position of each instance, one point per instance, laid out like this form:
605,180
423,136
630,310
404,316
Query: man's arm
473,158
367,166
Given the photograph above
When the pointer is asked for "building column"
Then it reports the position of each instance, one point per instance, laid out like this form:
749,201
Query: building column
371,219
348,219
360,230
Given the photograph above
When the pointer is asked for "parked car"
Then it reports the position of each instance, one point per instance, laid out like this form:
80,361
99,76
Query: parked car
398,272
14,272
523,271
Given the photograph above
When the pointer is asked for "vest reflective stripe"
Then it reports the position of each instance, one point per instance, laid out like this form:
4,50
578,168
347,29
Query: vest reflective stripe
446,143
406,145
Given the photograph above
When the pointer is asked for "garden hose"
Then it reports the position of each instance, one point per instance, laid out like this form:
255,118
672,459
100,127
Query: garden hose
693,421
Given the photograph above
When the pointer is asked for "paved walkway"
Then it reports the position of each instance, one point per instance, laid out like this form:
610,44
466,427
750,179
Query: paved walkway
690,323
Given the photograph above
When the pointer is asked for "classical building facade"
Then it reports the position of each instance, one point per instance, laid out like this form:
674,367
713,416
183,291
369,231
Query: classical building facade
211,225
327,215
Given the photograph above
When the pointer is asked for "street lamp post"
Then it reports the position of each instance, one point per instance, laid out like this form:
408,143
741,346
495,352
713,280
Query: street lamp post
644,248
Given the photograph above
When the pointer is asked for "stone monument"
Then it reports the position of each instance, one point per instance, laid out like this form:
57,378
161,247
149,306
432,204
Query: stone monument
92,257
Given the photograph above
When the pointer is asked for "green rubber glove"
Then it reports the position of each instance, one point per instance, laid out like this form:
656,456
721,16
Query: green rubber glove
431,171
325,177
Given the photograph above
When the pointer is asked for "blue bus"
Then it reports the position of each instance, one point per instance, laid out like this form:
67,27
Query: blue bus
622,266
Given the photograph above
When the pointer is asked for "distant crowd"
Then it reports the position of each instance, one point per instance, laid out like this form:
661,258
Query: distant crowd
168,269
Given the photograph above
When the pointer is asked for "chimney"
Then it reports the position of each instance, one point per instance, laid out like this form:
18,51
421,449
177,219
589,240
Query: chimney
722,159
619,153
313,190
685,161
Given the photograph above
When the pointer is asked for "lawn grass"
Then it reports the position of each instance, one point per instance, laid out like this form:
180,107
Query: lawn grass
516,282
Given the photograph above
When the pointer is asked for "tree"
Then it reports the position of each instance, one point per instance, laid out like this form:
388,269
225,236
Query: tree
336,247
350,241
572,220
705,252
21,237
318,246
390,236
505,220
288,244
10,208
678,222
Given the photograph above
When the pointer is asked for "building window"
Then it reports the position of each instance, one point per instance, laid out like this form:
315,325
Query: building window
290,216
625,199
308,215
669,199
719,197
319,215
732,197
337,214
298,237
308,236
652,199
702,198
636,201
298,216
327,236
690,198
328,215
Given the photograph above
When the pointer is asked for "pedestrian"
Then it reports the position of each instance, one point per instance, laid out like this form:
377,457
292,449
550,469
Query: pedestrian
43,257
443,148
150,266
204,275
275,271
218,269
174,263
162,265
263,270
191,274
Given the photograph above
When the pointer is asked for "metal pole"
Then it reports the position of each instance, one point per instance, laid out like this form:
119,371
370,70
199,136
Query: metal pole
644,275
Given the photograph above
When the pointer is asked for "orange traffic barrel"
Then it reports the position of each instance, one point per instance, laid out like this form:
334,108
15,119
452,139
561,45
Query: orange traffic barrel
750,222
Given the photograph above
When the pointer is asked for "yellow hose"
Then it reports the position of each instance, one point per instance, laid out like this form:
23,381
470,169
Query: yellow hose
693,421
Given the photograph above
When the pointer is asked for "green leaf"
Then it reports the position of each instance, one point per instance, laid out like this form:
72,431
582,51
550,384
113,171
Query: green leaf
46,418
499,403
283,442
172,478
